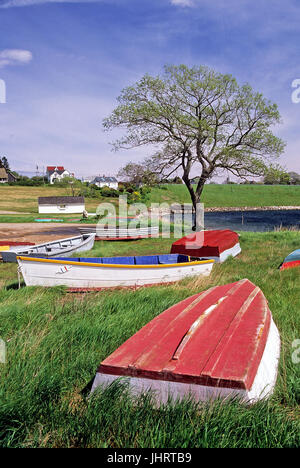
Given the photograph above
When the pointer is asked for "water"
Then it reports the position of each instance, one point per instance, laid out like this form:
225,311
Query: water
255,221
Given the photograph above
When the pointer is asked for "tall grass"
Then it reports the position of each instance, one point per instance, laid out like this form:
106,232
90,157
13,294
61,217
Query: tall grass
56,340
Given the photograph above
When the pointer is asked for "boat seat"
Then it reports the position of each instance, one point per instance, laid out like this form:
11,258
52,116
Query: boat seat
172,258
146,260
118,260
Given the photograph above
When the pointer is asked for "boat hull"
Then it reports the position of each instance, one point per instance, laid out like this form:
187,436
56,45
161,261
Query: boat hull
120,234
220,343
217,245
263,385
82,243
291,261
39,272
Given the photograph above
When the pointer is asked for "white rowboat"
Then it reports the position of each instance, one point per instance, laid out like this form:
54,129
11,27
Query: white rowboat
120,233
57,248
110,272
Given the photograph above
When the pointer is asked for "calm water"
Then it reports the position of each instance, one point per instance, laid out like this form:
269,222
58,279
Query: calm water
260,221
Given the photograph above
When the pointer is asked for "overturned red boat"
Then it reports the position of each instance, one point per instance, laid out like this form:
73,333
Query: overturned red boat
217,343
217,245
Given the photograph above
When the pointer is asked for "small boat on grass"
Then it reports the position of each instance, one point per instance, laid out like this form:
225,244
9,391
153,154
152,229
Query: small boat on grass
291,261
219,343
15,244
217,244
11,246
49,220
110,272
61,247
120,233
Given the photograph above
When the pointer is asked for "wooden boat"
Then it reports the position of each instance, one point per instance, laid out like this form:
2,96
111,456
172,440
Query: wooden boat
219,343
110,272
9,245
61,247
218,245
120,233
15,244
291,261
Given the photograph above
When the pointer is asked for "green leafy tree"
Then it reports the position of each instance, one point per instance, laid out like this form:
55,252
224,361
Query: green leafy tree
200,120
138,174
4,163
276,175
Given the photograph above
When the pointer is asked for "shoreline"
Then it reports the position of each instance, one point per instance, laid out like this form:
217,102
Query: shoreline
253,208
177,209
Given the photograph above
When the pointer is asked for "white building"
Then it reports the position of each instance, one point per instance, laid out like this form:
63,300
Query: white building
57,173
103,181
51,205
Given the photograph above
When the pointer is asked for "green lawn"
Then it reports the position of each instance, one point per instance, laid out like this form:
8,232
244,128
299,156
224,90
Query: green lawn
23,200
56,340
232,195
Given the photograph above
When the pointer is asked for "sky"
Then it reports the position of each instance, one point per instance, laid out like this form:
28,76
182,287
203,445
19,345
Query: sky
63,64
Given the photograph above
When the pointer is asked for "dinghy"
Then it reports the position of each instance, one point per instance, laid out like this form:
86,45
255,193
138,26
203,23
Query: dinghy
219,343
9,245
15,244
110,272
61,247
119,233
218,245
291,261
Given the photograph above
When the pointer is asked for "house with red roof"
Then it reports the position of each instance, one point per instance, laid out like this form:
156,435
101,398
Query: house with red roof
57,173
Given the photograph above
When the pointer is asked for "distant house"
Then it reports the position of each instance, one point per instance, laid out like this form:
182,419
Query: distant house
6,176
57,173
61,205
103,181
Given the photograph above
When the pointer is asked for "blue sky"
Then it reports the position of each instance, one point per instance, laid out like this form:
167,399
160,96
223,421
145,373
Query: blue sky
65,62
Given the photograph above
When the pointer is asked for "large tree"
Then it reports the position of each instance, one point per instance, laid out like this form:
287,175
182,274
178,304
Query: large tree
201,122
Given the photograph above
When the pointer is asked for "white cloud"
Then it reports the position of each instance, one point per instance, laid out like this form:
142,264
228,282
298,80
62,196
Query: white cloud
14,57
183,3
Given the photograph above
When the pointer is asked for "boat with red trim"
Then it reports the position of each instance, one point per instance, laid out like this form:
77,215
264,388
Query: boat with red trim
217,245
219,343
291,261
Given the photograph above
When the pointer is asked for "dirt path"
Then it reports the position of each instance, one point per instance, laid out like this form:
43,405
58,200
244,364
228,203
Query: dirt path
36,233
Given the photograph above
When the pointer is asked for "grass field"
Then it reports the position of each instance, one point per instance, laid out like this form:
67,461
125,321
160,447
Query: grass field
23,200
232,195
56,340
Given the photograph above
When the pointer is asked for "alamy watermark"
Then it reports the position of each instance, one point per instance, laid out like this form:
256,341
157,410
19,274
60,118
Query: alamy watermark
160,218
2,352
2,92
296,92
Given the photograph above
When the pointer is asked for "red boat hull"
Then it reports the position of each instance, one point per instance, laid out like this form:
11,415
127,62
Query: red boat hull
206,244
215,339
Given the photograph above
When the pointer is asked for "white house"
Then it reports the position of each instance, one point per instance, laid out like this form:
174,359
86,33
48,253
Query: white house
57,173
61,205
103,181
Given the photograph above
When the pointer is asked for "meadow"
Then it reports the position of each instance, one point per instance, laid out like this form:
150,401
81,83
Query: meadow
22,201
55,341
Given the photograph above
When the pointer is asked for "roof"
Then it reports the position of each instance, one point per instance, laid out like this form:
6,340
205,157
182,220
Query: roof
58,169
104,179
3,173
60,200
206,243
52,168
216,338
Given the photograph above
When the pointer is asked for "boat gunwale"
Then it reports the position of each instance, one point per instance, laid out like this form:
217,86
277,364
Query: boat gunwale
113,265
